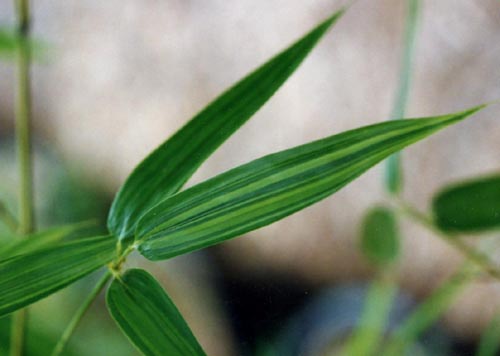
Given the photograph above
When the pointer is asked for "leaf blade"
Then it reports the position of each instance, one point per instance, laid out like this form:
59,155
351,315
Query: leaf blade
470,206
28,278
148,317
40,240
270,188
168,167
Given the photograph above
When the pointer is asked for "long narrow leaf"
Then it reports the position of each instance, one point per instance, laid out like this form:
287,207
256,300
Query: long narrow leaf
148,317
470,206
275,186
39,240
31,277
167,168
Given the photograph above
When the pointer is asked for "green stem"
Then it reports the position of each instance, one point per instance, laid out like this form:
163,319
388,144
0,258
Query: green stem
79,314
428,312
468,251
23,120
368,334
23,135
393,179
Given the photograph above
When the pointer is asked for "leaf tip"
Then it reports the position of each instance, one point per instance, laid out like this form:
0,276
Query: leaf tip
326,24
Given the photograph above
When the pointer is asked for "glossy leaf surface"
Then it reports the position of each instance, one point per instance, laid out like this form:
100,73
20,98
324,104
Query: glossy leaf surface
31,277
275,186
469,206
148,317
167,168
380,236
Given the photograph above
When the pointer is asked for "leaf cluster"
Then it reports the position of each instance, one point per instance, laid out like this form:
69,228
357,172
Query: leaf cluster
150,213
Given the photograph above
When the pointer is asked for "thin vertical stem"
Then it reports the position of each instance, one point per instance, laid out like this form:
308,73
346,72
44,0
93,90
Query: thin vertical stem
23,135
23,120
79,314
393,179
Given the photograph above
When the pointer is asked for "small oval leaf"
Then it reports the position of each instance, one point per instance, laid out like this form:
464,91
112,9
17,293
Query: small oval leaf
167,168
148,317
380,236
270,188
469,206
28,278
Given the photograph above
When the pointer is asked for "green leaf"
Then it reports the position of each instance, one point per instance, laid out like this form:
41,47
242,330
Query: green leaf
28,278
275,186
168,167
469,206
40,240
148,317
380,236
8,42
490,340
5,330
428,312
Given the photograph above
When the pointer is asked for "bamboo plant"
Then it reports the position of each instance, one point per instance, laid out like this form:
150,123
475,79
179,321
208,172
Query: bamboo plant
153,215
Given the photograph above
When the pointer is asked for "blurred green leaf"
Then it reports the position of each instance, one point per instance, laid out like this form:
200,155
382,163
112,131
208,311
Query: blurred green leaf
148,317
167,168
270,188
31,277
380,236
368,335
469,206
428,312
490,340
40,240
39,339
9,43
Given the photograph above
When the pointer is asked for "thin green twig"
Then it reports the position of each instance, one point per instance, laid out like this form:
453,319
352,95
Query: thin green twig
369,332
23,139
23,120
393,179
428,312
80,313
479,258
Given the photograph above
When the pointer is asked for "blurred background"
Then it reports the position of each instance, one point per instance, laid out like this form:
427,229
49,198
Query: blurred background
119,77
